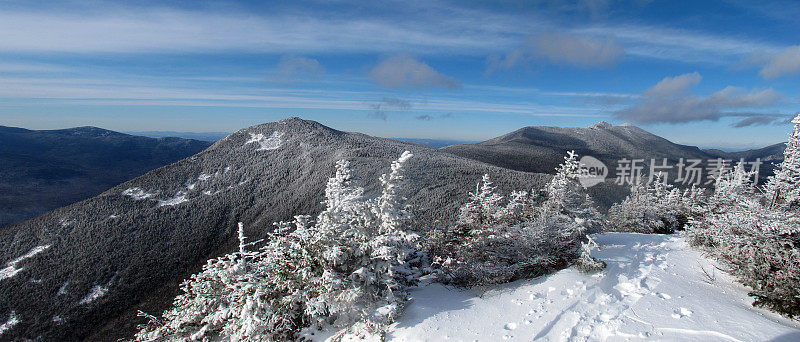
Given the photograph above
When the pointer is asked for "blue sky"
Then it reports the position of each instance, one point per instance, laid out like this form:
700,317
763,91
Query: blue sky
709,73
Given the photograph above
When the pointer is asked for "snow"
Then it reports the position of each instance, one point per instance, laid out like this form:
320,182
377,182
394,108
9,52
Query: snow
95,292
11,267
179,198
272,142
63,289
10,323
137,193
655,287
203,177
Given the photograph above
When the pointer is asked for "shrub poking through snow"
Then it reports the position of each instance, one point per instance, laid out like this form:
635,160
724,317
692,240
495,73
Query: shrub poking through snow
587,263
346,271
756,235
654,208
497,240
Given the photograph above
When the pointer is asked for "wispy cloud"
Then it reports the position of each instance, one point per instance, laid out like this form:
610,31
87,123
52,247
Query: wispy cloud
679,44
292,68
405,71
669,101
774,65
438,29
561,48
385,104
166,93
158,30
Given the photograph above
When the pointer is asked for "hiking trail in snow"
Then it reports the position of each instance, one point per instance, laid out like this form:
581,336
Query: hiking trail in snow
655,287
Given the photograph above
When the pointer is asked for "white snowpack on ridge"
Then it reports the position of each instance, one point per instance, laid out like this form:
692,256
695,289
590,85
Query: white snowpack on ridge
11,267
273,142
654,288
137,193
179,198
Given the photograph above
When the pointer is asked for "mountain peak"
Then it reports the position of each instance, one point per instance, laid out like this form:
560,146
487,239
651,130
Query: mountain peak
301,125
292,125
601,124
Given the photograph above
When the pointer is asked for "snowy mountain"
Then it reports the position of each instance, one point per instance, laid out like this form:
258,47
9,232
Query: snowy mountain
655,288
770,156
540,149
47,169
83,271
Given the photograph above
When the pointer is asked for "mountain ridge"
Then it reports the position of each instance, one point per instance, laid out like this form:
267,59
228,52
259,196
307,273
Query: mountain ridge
538,148
41,170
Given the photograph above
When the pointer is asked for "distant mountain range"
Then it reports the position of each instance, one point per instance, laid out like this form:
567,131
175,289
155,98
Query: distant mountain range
769,154
436,143
48,169
203,136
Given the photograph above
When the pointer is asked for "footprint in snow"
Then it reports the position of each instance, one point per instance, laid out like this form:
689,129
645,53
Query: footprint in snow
664,296
511,326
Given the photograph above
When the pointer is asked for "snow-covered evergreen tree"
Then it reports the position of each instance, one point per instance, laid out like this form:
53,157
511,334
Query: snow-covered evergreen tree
346,271
483,206
757,235
497,240
653,208
783,188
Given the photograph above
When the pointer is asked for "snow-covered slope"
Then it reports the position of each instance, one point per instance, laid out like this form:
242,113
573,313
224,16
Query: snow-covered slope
655,287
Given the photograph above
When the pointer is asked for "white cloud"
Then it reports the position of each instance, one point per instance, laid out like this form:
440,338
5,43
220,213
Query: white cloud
405,71
669,101
784,63
578,50
674,85
432,29
561,48
292,68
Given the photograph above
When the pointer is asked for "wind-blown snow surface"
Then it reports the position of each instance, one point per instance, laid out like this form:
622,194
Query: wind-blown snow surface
654,288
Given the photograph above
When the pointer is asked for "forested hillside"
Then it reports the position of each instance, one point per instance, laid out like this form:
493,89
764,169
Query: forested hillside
44,170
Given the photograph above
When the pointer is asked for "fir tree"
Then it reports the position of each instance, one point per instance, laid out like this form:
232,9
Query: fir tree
348,271
784,187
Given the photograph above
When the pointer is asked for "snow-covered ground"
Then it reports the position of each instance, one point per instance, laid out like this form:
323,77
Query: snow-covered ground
655,288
